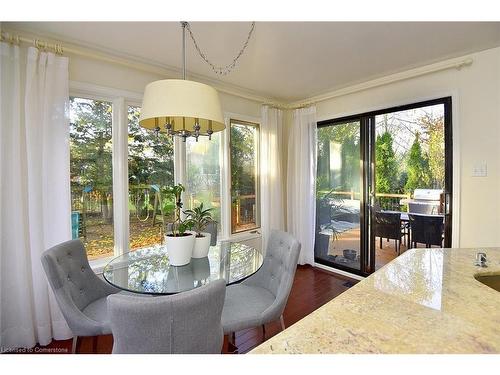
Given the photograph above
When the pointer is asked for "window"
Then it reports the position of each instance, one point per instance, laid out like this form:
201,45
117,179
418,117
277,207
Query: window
150,166
203,175
91,175
244,160
112,218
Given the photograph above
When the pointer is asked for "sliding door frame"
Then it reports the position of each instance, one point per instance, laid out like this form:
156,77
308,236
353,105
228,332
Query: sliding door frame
367,170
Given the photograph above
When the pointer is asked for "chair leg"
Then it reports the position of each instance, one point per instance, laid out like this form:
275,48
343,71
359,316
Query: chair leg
73,346
282,322
233,338
380,242
263,331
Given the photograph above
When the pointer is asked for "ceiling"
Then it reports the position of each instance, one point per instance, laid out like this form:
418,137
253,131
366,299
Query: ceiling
284,61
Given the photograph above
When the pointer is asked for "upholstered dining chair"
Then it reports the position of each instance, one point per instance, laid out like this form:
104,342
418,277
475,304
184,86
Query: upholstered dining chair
80,293
184,323
262,297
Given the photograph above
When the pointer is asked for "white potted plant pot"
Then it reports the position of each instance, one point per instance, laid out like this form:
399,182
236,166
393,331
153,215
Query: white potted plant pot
201,245
179,249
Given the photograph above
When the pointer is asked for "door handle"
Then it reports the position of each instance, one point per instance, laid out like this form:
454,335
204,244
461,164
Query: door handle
447,203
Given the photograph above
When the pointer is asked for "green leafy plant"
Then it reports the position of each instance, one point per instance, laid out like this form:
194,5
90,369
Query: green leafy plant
199,218
171,202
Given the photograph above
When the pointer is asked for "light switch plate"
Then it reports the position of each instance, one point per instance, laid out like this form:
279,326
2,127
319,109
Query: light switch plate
480,170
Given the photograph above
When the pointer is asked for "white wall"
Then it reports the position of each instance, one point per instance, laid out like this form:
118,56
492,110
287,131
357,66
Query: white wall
119,77
476,107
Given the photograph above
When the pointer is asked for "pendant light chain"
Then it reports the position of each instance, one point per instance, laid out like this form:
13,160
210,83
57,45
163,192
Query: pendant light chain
221,70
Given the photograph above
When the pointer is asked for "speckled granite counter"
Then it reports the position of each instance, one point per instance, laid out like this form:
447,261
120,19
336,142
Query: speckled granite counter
425,301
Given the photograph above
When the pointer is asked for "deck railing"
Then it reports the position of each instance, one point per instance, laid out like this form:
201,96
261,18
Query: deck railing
387,201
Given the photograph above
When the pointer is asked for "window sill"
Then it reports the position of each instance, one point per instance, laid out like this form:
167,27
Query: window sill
243,236
98,265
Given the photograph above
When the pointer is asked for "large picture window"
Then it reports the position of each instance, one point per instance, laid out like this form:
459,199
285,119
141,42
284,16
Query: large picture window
118,168
204,175
244,155
150,166
91,175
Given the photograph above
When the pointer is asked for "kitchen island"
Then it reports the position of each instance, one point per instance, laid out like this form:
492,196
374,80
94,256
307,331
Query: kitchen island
424,301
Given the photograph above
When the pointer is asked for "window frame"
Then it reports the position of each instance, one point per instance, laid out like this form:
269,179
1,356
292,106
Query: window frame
120,100
257,143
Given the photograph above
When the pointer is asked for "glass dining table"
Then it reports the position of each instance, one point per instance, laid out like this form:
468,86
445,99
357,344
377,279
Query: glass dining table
148,271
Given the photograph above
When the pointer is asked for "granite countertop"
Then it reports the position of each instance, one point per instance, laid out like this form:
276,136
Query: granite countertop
424,301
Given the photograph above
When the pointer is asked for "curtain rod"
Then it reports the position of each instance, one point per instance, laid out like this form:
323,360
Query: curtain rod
59,49
457,64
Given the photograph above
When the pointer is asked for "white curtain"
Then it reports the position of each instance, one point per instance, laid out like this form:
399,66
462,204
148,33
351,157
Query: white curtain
301,180
271,174
34,191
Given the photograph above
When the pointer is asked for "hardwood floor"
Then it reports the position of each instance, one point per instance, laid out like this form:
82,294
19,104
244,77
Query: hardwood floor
311,289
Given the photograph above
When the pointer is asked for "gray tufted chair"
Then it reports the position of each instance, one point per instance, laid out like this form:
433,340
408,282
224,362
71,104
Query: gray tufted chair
185,323
81,295
261,298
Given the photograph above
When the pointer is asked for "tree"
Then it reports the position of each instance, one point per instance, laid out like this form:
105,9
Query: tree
435,132
91,148
346,135
242,160
386,173
350,156
417,167
151,155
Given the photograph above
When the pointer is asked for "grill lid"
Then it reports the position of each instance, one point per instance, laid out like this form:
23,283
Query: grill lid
427,194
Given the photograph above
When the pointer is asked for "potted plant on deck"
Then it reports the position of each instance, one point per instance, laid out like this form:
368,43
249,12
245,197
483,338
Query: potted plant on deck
199,218
178,240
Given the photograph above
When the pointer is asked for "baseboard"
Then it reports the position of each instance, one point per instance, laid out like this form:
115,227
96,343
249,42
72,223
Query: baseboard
339,272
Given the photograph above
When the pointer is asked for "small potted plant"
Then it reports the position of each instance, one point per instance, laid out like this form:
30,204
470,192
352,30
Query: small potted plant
199,218
178,240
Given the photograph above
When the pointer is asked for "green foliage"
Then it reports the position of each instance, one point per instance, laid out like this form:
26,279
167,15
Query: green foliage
386,173
417,167
199,218
151,156
242,160
91,151
436,153
346,135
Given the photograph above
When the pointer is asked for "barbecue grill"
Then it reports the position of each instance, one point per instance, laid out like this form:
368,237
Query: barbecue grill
425,201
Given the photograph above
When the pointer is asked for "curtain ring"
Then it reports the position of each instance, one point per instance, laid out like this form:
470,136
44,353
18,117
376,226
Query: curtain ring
41,45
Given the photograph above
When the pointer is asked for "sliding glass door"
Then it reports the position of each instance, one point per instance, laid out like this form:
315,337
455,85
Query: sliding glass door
339,200
384,185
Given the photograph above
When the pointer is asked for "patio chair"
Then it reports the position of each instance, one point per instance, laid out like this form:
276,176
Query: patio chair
388,225
426,229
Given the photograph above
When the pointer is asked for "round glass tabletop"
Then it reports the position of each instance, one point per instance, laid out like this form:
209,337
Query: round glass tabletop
148,270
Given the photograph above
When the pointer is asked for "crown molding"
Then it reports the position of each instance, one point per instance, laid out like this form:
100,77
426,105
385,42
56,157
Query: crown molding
456,63
134,62
74,47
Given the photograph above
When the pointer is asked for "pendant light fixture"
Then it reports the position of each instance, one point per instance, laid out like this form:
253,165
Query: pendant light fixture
180,107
